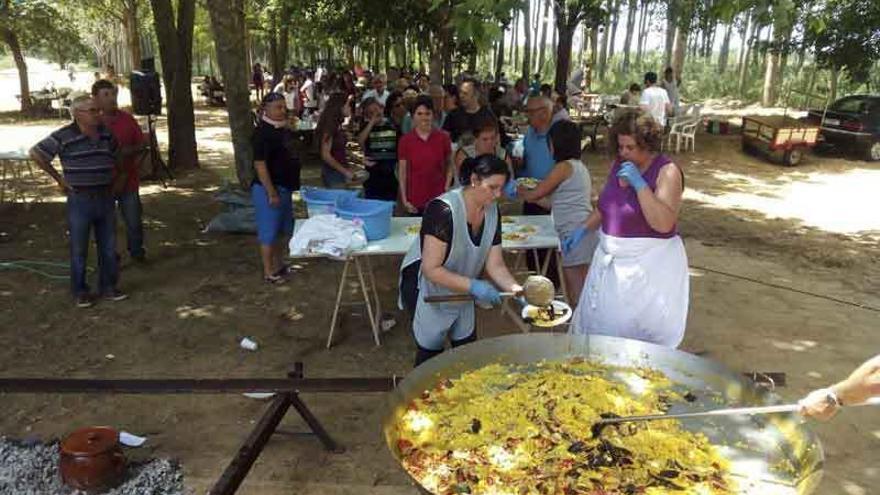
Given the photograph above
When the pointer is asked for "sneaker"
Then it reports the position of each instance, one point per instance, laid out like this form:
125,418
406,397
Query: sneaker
84,301
115,295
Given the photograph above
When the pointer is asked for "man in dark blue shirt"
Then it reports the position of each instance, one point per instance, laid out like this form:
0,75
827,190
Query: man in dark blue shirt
89,157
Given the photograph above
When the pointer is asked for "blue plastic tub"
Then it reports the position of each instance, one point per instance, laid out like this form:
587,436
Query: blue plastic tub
375,214
323,201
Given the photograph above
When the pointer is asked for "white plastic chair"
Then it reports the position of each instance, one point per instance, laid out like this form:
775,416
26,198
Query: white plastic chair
683,130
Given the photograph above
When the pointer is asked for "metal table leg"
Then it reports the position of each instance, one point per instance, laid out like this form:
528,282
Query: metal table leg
373,318
338,301
375,291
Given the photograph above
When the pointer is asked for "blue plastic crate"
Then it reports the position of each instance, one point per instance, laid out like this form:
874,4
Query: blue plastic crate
323,201
375,215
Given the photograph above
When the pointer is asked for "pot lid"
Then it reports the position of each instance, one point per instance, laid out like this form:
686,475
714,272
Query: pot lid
90,441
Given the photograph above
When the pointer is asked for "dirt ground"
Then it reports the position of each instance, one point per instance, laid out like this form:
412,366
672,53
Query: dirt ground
749,226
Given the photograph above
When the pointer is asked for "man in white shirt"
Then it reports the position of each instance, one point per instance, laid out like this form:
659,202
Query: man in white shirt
379,91
670,84
655,100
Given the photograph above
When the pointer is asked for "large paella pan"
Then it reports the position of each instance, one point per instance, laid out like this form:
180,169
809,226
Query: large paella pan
758,455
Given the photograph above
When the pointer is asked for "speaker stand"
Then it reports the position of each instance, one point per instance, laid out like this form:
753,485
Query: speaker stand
155,156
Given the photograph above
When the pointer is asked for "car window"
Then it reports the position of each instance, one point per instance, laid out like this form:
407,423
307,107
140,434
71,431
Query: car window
850,105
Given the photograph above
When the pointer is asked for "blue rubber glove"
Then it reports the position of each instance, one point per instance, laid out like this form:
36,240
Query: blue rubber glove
510,188
633,175
484,292
573,239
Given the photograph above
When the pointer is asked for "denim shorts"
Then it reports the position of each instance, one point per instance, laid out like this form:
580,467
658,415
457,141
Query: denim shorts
272,221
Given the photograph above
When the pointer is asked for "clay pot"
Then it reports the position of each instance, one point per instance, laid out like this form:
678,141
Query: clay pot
91,459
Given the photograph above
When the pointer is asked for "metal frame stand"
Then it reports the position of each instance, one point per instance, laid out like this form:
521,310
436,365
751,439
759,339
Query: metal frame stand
155,156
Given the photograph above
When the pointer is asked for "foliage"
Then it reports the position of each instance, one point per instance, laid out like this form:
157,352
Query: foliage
42,32
845,34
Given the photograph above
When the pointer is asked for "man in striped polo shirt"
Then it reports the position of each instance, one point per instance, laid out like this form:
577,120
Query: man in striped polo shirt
89,156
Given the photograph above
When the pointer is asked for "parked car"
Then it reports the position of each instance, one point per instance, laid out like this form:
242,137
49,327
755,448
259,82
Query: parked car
852,123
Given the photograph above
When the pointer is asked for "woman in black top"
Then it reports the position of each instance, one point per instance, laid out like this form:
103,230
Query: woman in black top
277,170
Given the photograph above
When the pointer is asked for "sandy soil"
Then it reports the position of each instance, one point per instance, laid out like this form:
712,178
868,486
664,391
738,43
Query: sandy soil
813,228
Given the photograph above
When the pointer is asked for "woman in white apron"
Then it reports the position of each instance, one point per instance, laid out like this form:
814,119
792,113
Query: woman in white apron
638,284
460,240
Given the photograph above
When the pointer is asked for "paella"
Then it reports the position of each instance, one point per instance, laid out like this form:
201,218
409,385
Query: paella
525,429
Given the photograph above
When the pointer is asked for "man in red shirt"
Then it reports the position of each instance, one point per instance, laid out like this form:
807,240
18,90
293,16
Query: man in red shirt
130,138
424,154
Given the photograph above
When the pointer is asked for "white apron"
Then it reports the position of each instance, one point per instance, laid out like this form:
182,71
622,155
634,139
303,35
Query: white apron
637,288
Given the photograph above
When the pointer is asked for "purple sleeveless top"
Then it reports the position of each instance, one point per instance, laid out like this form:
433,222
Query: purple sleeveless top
621,212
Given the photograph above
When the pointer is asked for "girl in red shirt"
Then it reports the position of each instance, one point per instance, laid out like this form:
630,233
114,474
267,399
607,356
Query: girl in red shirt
424,159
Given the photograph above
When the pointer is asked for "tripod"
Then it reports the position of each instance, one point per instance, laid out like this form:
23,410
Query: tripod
155,156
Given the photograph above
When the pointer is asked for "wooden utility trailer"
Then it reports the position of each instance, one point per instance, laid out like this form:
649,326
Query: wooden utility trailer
777,135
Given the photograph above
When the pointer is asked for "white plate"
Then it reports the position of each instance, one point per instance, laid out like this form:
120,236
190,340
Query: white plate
558,307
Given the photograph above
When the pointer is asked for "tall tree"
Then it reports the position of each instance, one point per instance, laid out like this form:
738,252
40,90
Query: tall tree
174,32
615,17
542,47
570,13
603,43
671,22
725,49
527,32
783,22
643,31
630,26
38,26
228,26
126,13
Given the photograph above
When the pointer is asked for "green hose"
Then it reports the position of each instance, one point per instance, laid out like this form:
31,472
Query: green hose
38,268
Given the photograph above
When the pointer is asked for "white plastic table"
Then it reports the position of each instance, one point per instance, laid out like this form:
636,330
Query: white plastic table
398,243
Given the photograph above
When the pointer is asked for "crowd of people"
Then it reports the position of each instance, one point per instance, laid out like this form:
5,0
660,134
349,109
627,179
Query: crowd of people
442,153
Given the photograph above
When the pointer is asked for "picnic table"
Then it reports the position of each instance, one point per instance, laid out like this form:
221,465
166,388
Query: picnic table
16,174
404,231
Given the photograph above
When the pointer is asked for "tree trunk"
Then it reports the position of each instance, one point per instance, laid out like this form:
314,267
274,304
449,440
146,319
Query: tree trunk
603,44
615,17
594,53
744,66
670,32
627,41
678,51
273,49
725,50
132,34
228,29
543,45
514,47
643,31
435,65
499,62
773,71
284,41
835,73
527,31
744,41
563,52
175,49
11,40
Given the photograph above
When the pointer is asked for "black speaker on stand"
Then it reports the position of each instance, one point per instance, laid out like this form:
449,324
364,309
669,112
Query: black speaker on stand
146,100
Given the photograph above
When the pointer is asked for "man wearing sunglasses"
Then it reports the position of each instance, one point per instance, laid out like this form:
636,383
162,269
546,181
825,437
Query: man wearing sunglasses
91,172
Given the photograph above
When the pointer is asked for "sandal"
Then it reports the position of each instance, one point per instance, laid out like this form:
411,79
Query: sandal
274,279
284,270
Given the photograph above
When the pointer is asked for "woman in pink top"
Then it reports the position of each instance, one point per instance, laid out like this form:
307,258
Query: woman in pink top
637,286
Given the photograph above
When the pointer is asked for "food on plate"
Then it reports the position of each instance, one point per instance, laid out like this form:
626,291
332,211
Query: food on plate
547,316
514,236
528,182
527,229
526,429
507,219
413,229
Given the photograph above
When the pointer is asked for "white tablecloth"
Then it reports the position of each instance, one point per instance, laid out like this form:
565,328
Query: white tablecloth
399,241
